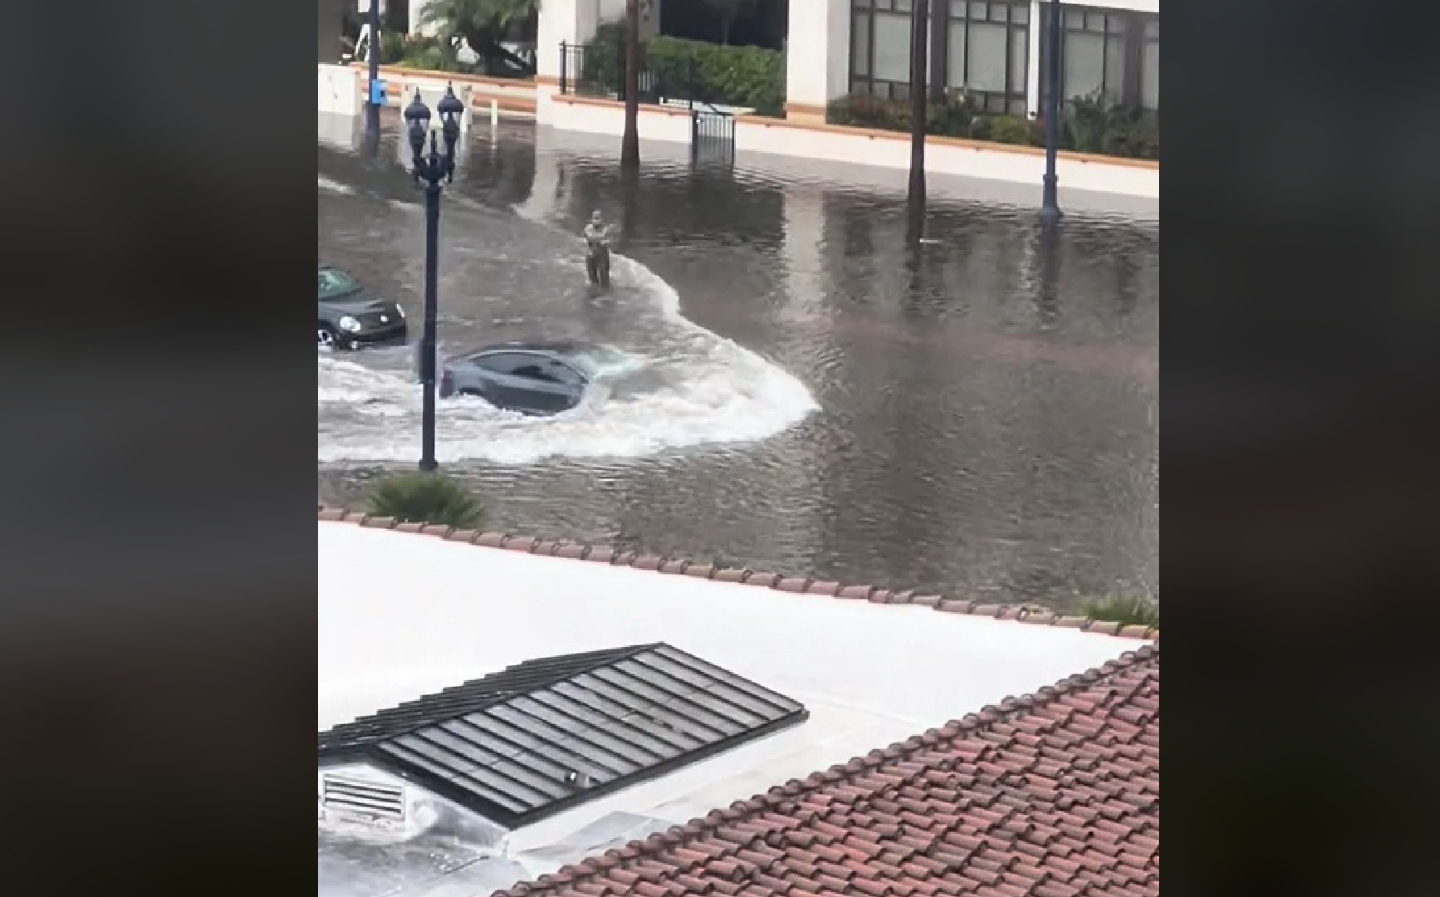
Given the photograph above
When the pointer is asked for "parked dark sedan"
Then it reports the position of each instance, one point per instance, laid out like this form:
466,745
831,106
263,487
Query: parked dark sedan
531,377
350,316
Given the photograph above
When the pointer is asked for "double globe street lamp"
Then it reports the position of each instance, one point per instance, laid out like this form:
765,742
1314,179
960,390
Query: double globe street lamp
431,169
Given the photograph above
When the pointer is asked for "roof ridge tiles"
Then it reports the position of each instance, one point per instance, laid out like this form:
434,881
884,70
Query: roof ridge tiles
1034,615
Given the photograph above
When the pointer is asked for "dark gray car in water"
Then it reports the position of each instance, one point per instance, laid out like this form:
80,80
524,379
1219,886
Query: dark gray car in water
350,316
532,377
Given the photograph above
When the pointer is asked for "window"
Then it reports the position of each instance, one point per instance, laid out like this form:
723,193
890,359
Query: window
1150,67
505,362
880,48
1094,54
335,283
535,371
985,50
892,48
1111,54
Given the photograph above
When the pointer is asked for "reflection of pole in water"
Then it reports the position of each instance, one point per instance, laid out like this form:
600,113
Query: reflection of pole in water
1047,258
629,201
1126,271
924,284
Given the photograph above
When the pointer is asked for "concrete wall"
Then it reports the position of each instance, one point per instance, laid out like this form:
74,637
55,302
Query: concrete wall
864,147
342,89
510,95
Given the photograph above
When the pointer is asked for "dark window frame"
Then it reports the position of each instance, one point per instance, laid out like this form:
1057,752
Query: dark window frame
1146,40
1013,100
1129,25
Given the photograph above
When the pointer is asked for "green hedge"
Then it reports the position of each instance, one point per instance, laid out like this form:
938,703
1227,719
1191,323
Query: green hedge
1090,125
750,77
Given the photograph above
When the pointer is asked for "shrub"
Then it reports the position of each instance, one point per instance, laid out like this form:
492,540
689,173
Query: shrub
1123,609
751,77
602,63
953,118
1015,130
426,498
392,47
1090,125
1095,125
866,111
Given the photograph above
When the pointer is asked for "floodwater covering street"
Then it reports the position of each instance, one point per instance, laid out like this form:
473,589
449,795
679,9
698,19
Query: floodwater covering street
980,417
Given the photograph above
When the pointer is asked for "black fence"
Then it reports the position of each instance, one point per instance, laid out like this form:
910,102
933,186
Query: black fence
597,69
712,136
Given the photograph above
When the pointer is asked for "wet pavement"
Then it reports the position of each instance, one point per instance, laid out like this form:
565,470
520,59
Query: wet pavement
808,396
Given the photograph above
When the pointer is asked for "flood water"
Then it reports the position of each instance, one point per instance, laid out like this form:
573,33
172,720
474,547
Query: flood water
980,417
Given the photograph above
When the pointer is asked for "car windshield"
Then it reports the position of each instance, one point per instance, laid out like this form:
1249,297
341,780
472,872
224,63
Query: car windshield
335,283
596,361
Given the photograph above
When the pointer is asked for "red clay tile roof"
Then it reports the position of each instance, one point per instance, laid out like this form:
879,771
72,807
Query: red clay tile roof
780,582
1056,794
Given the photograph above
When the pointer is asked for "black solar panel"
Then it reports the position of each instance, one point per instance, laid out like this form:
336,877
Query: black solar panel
546,735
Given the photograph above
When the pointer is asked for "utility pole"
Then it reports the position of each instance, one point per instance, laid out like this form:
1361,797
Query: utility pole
630,142
919,43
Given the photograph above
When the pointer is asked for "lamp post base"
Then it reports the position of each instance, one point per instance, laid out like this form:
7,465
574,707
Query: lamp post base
1049,201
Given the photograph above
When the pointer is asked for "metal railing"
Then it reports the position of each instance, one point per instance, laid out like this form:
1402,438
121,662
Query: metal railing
712,135
598,69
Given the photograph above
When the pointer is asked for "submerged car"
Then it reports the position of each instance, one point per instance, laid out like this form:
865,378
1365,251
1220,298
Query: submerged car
531,377
350,316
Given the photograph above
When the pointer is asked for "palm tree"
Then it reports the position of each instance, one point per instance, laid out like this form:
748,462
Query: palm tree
630,142
483,24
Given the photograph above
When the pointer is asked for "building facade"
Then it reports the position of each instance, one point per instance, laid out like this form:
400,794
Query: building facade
993,50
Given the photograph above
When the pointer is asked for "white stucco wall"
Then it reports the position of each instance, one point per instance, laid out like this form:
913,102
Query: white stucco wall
863,149
817,51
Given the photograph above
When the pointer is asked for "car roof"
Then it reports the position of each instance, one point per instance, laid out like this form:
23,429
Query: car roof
561,348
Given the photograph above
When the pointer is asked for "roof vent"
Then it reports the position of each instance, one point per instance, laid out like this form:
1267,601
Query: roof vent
549,734
358,797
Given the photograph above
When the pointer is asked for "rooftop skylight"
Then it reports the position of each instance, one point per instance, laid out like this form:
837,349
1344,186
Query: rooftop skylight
545,735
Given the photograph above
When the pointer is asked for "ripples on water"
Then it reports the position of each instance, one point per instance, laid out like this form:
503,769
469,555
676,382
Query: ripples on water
981,418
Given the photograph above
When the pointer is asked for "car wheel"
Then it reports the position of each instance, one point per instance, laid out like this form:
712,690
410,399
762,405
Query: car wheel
326,336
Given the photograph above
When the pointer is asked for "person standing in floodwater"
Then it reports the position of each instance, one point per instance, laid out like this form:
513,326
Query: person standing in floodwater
597,258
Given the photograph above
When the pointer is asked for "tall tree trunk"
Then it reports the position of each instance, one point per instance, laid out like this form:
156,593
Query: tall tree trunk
939,50
919,43
630,143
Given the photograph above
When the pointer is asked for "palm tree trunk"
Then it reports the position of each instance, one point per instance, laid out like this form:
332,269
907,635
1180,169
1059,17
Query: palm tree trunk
919,43
630,143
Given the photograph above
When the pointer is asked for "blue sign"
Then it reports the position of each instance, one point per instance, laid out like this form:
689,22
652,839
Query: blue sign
377,92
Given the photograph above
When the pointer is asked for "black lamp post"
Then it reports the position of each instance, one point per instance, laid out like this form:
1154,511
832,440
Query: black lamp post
1049,201
432,169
